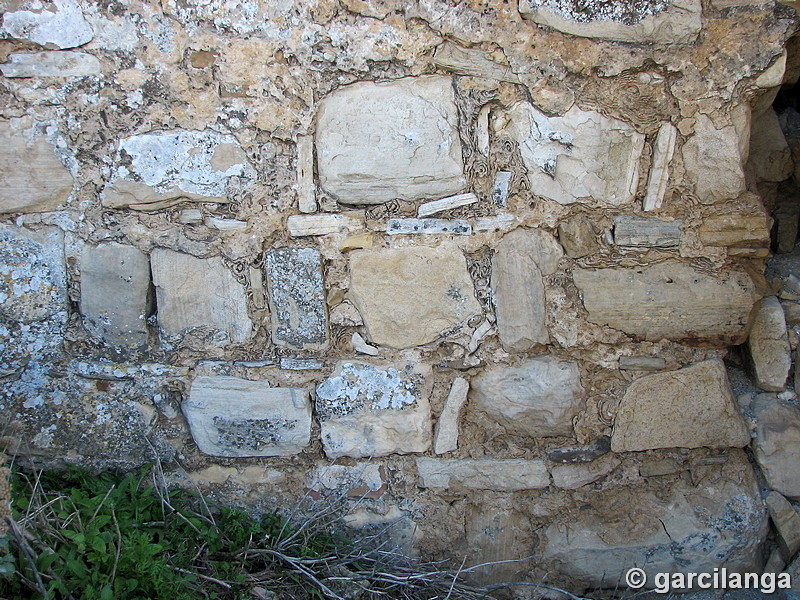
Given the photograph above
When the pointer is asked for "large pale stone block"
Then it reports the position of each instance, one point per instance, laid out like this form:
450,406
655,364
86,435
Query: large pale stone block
51,64
409,296
777,443
714,161
368,411
60,24
115,281
538,398
234,417
768,346
669,301
688,408
581,156
32,178
483,474
399,139
195,292
297,298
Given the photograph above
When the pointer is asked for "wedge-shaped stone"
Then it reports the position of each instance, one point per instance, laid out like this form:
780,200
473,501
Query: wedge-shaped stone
768,346
692,407
445,435
777,443
51,64
483,474
60,25
538,398
368,411
234,417
195,292
669,301
32,179
581,156
652,21
399,139
115,282
647,232
409,296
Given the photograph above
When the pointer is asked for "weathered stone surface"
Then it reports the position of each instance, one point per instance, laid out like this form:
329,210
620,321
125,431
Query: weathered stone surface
379,141
306,188
322,224
714,161
574,476
234,417
736,229
193,292
577,236
32,179
301,364
768,346
50,64
483,474
669,300
642,363
519,261
437,206
581,454
445,434
770,157
721,523
60,25
538,398
501,187
368,411
115,283
361,346
471,61
428,226
658,22
663,151
581,156
409,296
364,479
647,232
787,524
777,443
297,298
688,408
163,167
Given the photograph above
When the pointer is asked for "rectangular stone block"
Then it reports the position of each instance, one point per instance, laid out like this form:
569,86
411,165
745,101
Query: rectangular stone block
50,64
437,206
297,298
234,417
483,474
323,224
429,226
648,232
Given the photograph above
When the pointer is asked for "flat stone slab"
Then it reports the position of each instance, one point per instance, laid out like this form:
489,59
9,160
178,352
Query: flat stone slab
51,64
648,232
322,224
367,410
483,474
692,407
429,226
398,139
235,417
61,25
297,298
409,296
669,301
437,206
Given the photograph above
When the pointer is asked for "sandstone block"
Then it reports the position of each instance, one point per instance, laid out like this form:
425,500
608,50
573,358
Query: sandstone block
647,232
398,139
734,229
195,292
115,283
61,25
368,411
768,346
688,408
538,398
297,298
714,161
51,64
483,474
581,156
234,417
409,296
577,236
669,301
445,435
777,443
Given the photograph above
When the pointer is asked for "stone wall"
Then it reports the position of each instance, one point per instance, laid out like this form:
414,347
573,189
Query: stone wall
493,272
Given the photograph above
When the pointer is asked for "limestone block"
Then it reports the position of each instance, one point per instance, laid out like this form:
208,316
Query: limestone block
369,411
642,363
519,261
297,298
678,21
60,25
683,528
50,64
663,151
501,188
32,179
669,301
306,188
787,524
398,139
577,236
483,474
714,161
471,61
581,156
194,292
688,408
115,282
161,168
428,226
736,229
538,398
364,479
770,157
648,232
777,443
445,435
322,224
574,476
409,296
437,206
234,417
768,346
